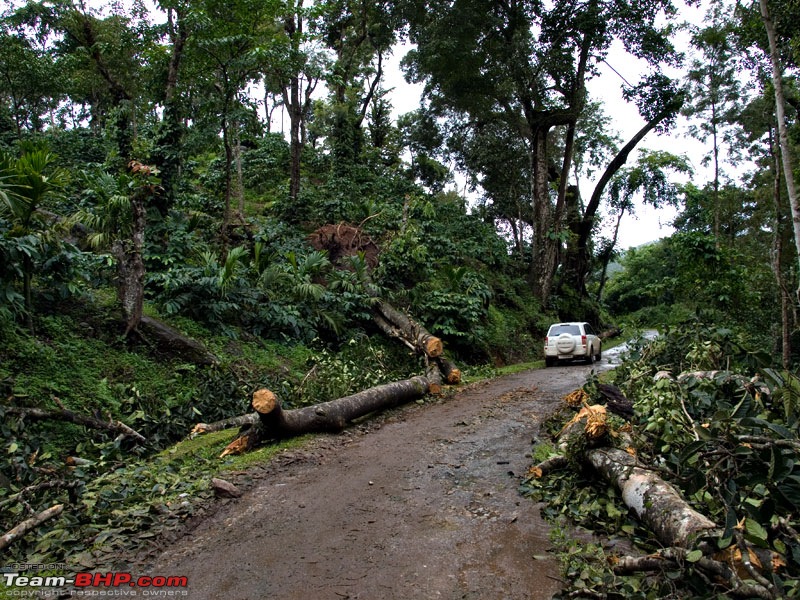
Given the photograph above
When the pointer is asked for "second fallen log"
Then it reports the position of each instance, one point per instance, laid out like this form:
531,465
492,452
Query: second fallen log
336,414
333,416
655,502
397,324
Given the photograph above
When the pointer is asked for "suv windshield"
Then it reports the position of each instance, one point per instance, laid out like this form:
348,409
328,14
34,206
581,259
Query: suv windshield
557,330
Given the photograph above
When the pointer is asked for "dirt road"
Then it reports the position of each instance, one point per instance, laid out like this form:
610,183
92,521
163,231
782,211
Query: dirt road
420,503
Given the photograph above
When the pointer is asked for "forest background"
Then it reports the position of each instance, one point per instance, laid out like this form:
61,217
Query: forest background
142,183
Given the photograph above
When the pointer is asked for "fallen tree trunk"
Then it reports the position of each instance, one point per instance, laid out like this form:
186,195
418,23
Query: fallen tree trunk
41,414
343,240
336,414
656,503
17,532
333,416
395,323
450,372
170,340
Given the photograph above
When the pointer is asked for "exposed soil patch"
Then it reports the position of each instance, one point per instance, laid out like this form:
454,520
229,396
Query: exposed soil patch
420,502
344,240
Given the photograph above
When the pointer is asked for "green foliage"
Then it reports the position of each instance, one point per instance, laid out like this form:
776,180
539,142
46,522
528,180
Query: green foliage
30,245
265,168
454,304
266,293
113,510
723,428
689,273
358,364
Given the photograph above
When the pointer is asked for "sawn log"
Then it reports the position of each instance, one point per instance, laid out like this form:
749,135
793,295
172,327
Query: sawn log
333,416
395,323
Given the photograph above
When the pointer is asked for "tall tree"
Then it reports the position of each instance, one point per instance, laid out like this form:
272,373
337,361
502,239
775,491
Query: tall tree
167,152
659,101
525,65
359,33
783,133
715,91
225,45
112,50
29,81
292,70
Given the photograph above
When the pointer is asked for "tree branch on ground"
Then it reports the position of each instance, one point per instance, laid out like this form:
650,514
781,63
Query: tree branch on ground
62,414
12,535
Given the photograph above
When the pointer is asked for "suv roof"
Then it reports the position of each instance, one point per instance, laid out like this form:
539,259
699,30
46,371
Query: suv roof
573,328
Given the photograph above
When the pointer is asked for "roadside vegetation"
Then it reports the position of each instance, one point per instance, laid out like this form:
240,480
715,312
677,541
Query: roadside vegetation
169,243
715,420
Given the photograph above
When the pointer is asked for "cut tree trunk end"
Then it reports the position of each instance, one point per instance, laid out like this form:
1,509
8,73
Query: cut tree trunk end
450,372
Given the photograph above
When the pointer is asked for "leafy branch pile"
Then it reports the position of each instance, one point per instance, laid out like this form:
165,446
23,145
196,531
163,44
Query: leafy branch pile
722,427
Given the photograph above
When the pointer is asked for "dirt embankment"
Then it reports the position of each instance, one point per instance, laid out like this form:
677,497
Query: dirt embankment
421,502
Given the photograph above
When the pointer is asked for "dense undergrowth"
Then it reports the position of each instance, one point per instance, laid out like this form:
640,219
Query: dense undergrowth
720,425
119,494
273,309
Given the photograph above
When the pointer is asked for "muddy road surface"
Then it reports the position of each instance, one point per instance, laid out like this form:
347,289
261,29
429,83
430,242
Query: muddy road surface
421,502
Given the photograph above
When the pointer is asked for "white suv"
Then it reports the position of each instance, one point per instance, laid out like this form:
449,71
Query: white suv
571,340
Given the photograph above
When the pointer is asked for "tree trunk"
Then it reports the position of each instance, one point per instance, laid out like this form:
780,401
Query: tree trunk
606,257
397,324
450,372
783,133
333,416
226,142
541,267
656,503
293,26
172,341
778,259
237,153
578,255
336,414
167,151
130,265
